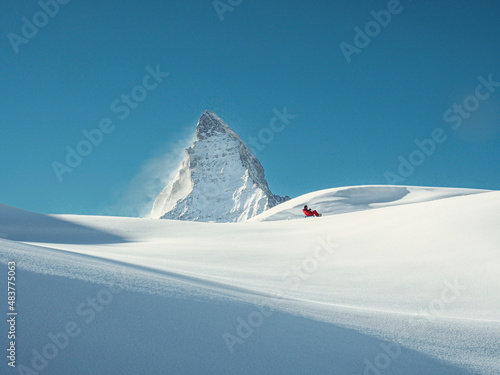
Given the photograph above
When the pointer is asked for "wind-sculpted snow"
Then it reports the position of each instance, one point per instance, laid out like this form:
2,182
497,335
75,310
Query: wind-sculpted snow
358,198
220,179
404,281
21,225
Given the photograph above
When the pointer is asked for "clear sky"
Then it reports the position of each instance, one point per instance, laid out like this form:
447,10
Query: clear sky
361,97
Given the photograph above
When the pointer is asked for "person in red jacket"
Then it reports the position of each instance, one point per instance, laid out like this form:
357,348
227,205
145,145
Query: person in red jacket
308,212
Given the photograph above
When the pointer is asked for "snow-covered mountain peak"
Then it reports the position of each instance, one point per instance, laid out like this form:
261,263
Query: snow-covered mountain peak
210,124
219,180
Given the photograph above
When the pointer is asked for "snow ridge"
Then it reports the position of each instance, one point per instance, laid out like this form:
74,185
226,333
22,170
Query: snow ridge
220,179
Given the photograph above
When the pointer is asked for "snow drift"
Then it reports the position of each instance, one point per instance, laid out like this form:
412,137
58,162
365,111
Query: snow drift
392,280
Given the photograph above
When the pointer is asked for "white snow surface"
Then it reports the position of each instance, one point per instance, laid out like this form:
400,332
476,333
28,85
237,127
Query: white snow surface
220,179
409,269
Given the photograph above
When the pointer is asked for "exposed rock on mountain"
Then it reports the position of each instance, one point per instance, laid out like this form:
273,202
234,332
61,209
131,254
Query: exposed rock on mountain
220,179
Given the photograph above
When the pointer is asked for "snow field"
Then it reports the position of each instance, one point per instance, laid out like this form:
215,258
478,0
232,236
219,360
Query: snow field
404,282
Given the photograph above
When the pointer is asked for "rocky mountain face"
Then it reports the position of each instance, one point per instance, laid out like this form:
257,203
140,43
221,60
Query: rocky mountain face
220,179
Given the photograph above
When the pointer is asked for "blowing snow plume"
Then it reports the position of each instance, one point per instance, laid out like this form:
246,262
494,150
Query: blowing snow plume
219,180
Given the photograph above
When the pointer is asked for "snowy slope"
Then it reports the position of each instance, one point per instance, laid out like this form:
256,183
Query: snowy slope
358,198
417,275
219,180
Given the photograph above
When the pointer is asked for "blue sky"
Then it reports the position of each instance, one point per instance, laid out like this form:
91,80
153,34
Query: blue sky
355,121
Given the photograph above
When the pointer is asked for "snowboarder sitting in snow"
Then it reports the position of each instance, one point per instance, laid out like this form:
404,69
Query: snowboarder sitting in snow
309,212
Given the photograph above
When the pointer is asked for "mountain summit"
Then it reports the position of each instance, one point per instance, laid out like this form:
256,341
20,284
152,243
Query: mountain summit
219,180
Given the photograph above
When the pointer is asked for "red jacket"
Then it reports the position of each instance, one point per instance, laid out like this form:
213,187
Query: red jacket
307,212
